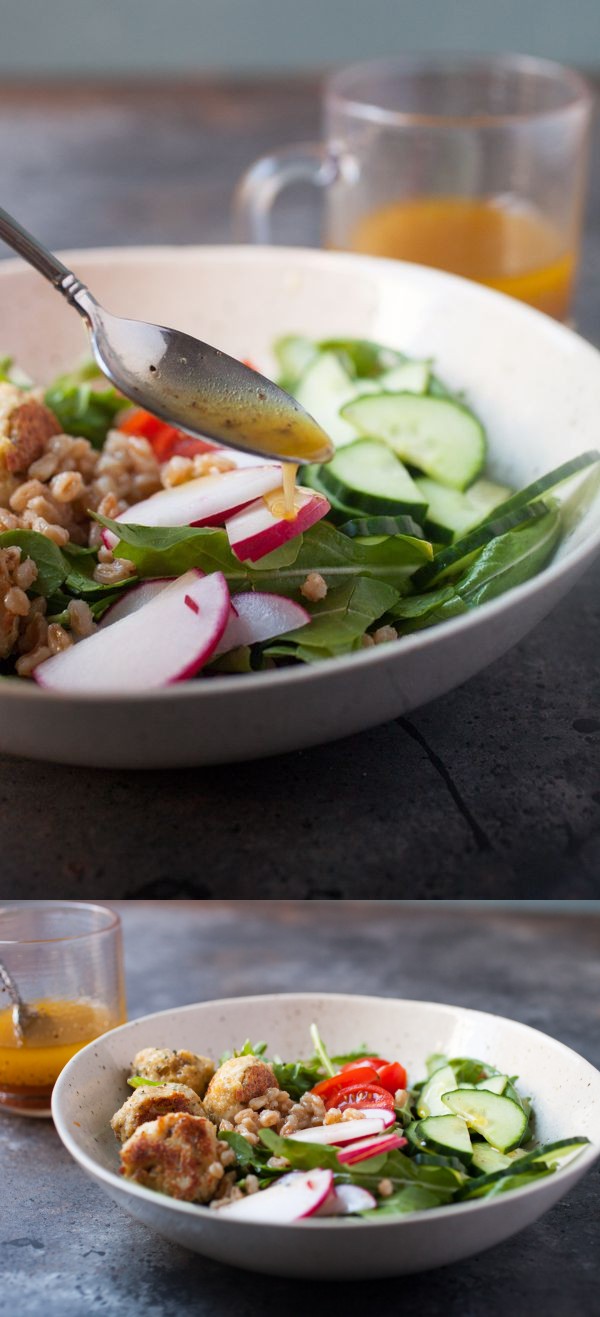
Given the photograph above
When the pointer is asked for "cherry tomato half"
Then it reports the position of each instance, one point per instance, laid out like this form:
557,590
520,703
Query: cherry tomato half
392,1076
165,439
364,1095
327,1088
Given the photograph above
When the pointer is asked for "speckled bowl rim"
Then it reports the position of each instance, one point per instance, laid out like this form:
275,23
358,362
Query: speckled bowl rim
378,656
584,1160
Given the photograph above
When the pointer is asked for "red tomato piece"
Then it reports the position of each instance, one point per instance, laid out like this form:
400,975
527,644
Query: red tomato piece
364,1095
166,440
392,1076
358,1074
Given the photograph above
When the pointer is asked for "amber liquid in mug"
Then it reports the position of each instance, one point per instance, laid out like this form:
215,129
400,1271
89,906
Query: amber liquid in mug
515,251
29,1069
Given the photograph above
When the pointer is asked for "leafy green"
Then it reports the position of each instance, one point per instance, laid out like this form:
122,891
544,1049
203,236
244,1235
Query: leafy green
247,1049
80,580
52,566
338,621
248,1157
410,1198
300,1155
170,551
297,1077
363,358
81,409
138,1081
509,560
321,1050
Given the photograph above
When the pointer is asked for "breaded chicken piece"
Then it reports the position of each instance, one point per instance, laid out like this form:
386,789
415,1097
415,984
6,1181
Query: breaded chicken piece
170,1067
149,1102
234,1084
176,1155
26,424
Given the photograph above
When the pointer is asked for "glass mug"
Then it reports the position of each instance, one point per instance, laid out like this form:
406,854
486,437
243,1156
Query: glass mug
475,165
66,962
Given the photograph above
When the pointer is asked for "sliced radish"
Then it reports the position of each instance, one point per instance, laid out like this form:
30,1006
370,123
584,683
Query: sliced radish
135,597
167,640
346,1199
387,1118
344,1131
257,529
198,502
260,616
358,1152
290,1199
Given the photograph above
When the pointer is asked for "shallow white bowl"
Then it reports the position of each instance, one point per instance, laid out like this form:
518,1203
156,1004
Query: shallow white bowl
565,1089
535,384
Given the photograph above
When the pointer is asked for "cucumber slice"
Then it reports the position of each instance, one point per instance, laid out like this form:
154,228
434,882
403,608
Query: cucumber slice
366,475
442,438
451,561
447,1134
340,512
498,1119
451,514
401,525
324,388
488,1160
412,1136
411,377
541,486
429,1102
495,1084
551,1153
293,354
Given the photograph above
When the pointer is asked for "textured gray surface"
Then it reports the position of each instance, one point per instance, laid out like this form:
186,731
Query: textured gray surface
65,1250
492,791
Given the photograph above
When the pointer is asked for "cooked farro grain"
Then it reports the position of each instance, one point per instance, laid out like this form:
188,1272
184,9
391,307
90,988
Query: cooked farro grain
314,587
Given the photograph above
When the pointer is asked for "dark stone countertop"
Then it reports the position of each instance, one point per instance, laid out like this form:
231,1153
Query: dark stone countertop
66,1250
493,790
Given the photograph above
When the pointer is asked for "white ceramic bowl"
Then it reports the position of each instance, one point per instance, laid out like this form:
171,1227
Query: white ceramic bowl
534,383
565,1089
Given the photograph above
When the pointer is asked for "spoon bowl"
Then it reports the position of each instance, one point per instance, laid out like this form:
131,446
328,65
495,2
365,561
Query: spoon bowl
193,386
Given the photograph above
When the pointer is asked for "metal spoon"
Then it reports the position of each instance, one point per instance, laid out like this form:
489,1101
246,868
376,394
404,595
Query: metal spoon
23,1017
192,385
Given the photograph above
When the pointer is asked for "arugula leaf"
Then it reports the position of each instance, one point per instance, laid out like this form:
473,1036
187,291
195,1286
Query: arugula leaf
81,409
138,1081
509,560
362,357
248,1157
470,1071
338,621
321,1050
247,1049
357,1055
172,550
300,1155
50,561
297,1077
411,1198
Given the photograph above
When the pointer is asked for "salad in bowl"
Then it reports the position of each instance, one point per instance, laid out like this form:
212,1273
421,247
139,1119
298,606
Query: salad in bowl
270,1140
133,556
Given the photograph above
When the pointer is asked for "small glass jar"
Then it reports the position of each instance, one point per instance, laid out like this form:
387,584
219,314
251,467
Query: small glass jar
66,962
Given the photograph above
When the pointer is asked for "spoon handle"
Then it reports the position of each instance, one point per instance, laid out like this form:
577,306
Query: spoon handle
42,260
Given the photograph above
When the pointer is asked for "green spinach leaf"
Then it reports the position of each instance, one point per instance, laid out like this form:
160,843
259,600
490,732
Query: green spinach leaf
81,409
52,566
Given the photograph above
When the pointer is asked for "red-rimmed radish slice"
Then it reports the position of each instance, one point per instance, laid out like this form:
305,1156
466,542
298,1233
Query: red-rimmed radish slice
346,1199
358,1152
143,592
290,1199
257,530
387,1118
344,1131
167,640
259,616
199,502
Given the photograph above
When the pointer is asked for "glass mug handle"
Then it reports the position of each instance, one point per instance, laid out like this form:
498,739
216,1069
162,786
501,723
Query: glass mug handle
260,186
